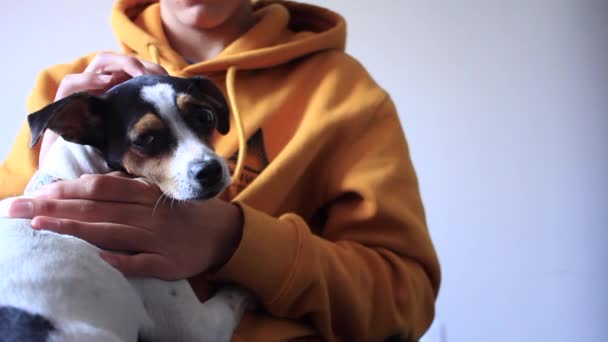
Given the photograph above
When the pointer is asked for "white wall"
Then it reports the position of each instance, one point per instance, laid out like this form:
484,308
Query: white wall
505,104
37,34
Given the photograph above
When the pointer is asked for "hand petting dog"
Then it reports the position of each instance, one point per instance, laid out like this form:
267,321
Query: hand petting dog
115,212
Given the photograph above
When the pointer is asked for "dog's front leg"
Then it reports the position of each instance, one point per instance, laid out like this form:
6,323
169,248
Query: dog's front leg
224,311
178,315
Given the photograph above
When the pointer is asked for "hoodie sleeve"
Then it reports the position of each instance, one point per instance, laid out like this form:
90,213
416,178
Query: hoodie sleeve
22,161
372,272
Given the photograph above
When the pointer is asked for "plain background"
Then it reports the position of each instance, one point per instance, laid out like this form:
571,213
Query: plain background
505,105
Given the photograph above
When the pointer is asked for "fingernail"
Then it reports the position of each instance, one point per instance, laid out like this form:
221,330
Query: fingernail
105,78
45,223
22,209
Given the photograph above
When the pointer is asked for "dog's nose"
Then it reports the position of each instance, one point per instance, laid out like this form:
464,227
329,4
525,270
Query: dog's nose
206,173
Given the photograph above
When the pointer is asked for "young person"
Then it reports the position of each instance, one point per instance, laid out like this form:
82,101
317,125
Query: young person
323,222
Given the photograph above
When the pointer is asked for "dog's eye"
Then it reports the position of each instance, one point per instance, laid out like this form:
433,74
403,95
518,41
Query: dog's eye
152,142
201,117
144,140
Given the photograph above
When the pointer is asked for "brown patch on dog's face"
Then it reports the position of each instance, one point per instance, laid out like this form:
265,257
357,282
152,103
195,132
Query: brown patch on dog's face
150,136
183,102
198,115
151,151
155,169
148,122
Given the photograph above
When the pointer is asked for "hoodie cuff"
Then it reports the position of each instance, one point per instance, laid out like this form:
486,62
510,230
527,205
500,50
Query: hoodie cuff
266,256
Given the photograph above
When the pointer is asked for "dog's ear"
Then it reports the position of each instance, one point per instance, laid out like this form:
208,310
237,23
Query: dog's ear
76,118
216,99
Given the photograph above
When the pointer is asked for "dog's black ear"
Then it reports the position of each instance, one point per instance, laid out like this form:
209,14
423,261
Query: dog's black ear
76,118
216,99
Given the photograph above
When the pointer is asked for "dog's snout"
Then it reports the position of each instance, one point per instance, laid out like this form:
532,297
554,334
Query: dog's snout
207,173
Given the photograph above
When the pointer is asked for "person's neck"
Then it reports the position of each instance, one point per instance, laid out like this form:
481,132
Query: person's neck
197,45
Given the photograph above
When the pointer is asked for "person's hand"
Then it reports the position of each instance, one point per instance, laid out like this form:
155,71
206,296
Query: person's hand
105,71
165,238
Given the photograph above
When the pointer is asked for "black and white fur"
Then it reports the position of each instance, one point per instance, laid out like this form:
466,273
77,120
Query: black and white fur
56,288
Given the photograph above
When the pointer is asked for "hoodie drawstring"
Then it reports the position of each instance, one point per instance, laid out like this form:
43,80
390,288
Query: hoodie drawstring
154,53
230,81
238,121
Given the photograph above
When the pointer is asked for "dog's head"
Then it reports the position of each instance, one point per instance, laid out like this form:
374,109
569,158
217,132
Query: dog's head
156,127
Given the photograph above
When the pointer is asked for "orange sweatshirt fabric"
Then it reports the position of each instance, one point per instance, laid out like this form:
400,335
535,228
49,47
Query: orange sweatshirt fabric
335,243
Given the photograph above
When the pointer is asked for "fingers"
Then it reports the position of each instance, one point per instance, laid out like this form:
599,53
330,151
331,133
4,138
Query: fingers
103,235
109,63
115,187
87,81
105,71
142,265
93,198
83,210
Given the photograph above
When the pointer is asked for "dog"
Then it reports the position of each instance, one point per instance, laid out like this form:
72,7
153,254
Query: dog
56,288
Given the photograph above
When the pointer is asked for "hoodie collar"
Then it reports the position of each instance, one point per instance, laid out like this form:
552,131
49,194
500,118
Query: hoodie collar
284,31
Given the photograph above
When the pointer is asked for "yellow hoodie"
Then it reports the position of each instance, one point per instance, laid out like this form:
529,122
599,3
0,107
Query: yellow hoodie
335,242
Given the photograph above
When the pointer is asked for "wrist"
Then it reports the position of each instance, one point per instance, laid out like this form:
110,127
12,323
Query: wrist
230,236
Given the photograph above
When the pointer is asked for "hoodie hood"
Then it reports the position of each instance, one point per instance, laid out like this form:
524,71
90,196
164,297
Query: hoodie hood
284,31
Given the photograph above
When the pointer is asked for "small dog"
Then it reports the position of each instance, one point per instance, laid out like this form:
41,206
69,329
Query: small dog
56,287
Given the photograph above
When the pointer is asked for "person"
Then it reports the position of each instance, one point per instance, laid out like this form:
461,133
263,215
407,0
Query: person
323,222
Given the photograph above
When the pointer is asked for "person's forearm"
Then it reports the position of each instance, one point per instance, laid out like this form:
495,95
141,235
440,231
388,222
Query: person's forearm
373,292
